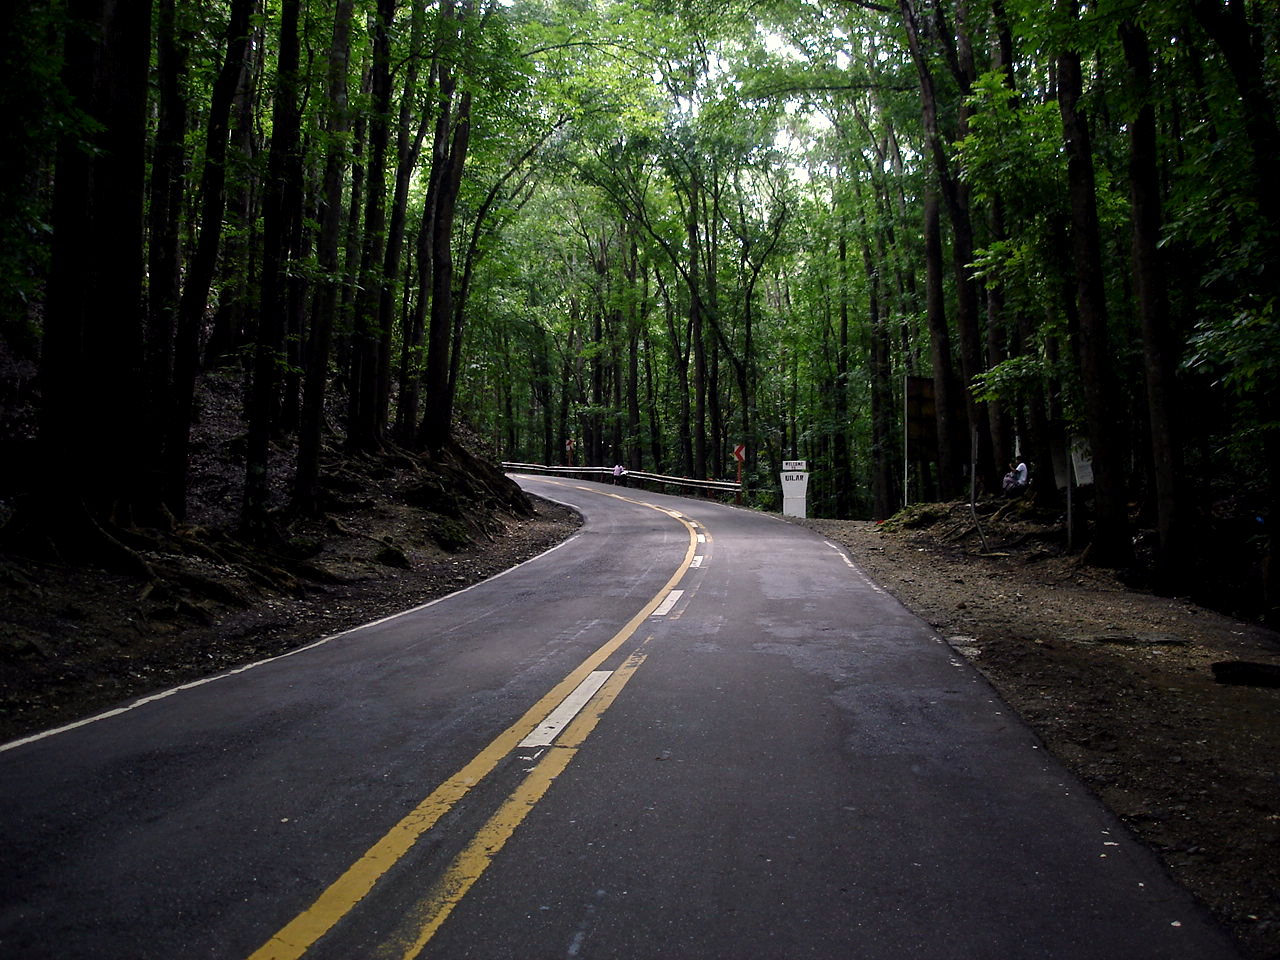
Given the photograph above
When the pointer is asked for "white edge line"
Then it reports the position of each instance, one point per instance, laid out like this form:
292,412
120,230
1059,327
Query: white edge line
545,733
152,698
857,569
843,556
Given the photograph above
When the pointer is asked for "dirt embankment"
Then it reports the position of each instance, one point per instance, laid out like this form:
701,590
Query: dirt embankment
1119,684
75,640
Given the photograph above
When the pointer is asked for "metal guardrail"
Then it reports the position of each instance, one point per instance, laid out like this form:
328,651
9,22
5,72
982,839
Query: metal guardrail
719,486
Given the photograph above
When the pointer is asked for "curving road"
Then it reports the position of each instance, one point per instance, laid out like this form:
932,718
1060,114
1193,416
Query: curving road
691,731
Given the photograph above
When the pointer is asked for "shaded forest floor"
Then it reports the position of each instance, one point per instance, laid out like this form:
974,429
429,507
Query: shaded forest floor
398,531
77,641
1118,684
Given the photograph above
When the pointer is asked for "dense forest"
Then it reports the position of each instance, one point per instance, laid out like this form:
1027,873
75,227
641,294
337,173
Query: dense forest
646,232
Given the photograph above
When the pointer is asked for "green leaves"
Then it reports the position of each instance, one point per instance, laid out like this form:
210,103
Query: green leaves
1239,350
1013,149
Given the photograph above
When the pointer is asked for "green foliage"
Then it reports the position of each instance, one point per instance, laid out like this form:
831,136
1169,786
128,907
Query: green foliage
37,113
1239,351
682,204
1011,380
1013,150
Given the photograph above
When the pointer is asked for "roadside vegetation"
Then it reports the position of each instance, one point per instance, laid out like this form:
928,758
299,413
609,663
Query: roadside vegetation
647,233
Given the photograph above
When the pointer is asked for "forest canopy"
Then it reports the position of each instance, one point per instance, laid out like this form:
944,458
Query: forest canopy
645,233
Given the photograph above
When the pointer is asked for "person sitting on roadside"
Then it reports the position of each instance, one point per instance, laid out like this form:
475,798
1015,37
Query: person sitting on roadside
1015,481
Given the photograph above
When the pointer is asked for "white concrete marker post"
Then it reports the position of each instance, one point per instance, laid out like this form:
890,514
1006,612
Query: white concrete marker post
795,484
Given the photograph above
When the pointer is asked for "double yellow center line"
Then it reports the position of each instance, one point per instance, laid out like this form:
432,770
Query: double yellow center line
341,897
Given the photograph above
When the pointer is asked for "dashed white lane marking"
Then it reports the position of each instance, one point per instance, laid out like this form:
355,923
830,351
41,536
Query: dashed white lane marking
696,562
665,607
545,733
702,538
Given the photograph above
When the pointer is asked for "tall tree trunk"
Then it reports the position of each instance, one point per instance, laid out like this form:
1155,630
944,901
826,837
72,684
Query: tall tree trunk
412,372
955,195
697,340
352,244
1158,341
841,466
680,352
543,393
282,202
594,440
631,271
298,296
746,367
1244,47
408,148
408,424
436,427
565,449
944,382
883,474
998,325
1111,544
1002,442
306,487
651,404
1038,441
200,269
92,428
164,217
711,217
364,429
617,433
238,253
969,330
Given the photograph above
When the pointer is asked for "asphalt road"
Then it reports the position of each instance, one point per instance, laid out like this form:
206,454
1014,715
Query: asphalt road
762,755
